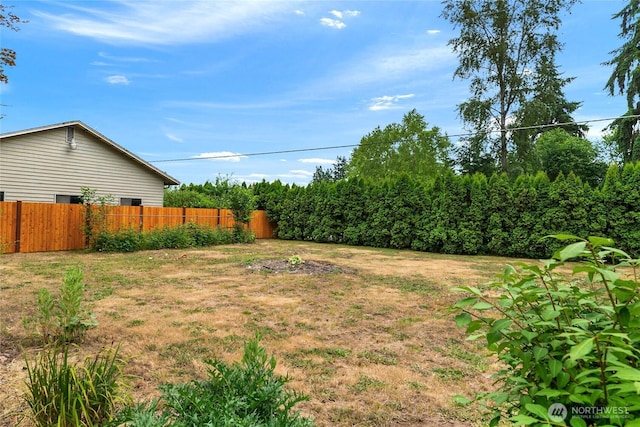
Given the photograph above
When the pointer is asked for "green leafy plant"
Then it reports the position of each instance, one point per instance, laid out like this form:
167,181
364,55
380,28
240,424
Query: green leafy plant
248,394
569,342
62,394
96,211
295,260
63,319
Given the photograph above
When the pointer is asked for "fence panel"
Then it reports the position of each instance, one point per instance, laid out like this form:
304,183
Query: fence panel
41,227
51,227
123,217
8,226
201,216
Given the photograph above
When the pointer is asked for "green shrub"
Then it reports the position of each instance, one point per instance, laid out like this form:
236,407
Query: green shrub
569,348
63,319
62,394
248,394
179,237
128,240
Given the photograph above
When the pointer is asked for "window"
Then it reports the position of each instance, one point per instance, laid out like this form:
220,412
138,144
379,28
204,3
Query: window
70,134
128,201
75,200
1,196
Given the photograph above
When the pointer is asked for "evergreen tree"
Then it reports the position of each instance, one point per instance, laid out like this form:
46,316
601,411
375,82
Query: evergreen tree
625,79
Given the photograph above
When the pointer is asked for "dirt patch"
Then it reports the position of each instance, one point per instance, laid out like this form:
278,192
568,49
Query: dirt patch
298,267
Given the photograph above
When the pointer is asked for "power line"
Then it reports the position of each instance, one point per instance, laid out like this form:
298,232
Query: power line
333,147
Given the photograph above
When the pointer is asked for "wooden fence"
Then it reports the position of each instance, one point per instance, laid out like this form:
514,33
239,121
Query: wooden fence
42,227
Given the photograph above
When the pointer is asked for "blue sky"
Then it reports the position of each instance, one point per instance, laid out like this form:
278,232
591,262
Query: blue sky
173,80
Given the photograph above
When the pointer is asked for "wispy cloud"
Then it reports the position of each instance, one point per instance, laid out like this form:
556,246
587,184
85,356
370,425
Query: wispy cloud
175,138
299,12
387,102
297,173
123,58
433,32
227,156
386,64
164,22
117,80
318,161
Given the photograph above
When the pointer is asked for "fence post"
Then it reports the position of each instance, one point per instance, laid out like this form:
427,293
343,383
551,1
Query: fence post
184,215
18,230
141,218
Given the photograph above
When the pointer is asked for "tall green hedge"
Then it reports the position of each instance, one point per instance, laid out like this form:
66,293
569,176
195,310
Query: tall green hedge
461,214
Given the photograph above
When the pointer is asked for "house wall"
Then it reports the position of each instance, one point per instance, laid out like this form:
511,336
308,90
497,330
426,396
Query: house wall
36,167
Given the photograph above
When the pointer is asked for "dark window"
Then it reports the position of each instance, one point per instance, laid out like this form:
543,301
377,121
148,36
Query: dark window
1,196
75,200
70,133
128,201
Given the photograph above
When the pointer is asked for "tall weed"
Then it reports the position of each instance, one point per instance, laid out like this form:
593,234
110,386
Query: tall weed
62,394
63,319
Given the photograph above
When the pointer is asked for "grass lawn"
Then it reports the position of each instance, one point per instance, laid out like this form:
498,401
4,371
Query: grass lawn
363,332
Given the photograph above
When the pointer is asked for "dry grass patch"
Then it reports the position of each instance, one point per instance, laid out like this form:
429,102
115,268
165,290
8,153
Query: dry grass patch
363,332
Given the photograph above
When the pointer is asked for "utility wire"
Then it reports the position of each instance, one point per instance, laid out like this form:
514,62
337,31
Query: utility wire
333,147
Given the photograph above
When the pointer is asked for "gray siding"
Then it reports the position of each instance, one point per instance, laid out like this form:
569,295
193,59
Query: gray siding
36,167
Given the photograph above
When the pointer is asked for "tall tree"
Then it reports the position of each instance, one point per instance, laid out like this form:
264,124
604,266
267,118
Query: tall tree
547,109
625,79
332,174
407,148
499,44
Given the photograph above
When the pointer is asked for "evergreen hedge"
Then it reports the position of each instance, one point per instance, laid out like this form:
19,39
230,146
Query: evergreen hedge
457,214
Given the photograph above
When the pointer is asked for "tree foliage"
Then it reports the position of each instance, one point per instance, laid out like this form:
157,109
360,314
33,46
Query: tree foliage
499,44
558,151
8,56
625,79
407,148
332,174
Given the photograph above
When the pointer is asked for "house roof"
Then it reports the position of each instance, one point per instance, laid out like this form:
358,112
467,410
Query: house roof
168,179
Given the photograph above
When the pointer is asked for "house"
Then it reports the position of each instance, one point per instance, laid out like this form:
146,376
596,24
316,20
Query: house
52,163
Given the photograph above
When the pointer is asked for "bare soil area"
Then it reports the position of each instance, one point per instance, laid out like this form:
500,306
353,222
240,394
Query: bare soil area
363,332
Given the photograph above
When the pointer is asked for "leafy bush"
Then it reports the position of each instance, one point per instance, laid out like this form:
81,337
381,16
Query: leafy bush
129,240
63,319
180,237
570,348
62,394
248,394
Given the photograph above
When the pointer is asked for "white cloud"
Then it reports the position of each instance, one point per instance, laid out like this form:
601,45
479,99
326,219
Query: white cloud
117,80
332,23
318,161
227,156
432,32
165,22
173,137
299,12
387,102
338,23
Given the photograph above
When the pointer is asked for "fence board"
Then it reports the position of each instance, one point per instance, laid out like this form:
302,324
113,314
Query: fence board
8,226
58,227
